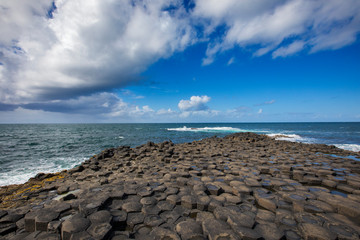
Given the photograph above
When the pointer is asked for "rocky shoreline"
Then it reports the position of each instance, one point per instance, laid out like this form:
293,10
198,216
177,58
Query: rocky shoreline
243,186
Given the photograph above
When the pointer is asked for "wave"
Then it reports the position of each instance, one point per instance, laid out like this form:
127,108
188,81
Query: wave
350,147
22,175
207,129
287,137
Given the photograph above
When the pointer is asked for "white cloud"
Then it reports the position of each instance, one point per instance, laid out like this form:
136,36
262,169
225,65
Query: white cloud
88,46
196,103
270,102
265,25
231,61
289,50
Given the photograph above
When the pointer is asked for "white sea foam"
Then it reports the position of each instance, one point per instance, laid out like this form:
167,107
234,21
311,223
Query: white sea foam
291,137
207,129
350,147
22,175
286,137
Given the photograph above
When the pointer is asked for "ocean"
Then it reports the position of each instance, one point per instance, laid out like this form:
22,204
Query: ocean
27,149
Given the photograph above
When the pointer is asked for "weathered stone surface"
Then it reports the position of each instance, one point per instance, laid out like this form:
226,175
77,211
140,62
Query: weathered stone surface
163,233
244,219
43,218
189,230
215,229
54,226
269,231
134,218
314,231
130,207
6,228
267,202
189,202
245,233
73,225
214,189
102,216
99,230
81,236
153,220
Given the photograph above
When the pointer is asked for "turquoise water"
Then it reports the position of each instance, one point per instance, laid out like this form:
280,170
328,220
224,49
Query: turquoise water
28,149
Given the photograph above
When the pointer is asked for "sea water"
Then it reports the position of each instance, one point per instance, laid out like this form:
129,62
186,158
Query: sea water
27,149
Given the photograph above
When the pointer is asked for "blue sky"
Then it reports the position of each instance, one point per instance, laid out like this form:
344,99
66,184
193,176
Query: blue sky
175,61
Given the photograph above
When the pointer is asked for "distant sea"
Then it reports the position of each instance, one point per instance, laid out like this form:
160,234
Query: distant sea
27,149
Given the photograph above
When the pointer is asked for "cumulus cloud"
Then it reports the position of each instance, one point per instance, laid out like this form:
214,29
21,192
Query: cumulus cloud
84,46
283,27
196,103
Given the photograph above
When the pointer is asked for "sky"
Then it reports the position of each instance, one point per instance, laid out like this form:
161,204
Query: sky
133,61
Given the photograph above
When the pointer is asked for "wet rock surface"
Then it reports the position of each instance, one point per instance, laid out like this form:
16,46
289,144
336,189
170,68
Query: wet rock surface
243,186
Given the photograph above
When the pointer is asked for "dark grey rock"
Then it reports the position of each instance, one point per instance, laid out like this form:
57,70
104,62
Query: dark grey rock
189,229
215,229
102,216
269,231
73,225
54,226
81,236
43,217
163,233
6,228
153,220
99,230
130,207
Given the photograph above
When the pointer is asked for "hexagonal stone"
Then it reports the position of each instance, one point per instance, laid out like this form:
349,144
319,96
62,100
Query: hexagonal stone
43,218
30,221
102,216
202,216
170,216
215,229
144,192
135,218
265,215
342,231
252,182
269,231
74,225
244,219
119,219
54,226
189,201
173,199
162,233
100,230
81,236
314,231
165,206
153,221
48,236
130,207
214,189
151,210
189,229
266,201
203,203
148,201
246,233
